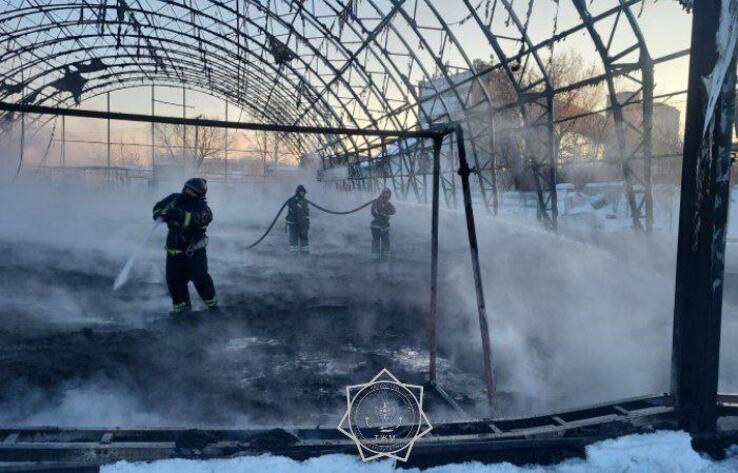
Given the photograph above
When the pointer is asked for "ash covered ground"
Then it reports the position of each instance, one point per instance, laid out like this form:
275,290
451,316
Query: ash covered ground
571,322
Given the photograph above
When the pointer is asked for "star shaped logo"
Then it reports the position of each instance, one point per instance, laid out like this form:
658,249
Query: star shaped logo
384,417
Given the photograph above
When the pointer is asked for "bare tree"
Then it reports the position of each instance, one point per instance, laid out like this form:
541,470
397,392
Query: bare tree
190,145
581,137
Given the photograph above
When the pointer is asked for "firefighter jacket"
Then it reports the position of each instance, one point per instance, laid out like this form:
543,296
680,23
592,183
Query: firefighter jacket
382,210
187,219
298,211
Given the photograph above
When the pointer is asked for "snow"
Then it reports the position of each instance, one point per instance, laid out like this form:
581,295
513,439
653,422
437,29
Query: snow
657,452
725,40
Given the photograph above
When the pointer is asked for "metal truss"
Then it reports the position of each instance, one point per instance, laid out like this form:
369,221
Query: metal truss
364,64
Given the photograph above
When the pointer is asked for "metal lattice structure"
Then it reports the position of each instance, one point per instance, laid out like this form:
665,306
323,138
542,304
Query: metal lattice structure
365,64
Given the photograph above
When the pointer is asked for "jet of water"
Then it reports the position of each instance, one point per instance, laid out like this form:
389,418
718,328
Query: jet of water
123,275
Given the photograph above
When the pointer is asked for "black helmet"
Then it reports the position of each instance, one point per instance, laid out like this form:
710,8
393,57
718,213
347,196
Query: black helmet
197,186
300,188
386,193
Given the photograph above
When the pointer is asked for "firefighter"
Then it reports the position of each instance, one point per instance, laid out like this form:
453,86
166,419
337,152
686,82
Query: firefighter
298,221
382,210
187,215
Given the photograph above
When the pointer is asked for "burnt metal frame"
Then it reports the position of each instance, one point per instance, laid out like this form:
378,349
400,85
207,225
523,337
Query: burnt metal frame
703,214
436,134
340,100
340,76
616,67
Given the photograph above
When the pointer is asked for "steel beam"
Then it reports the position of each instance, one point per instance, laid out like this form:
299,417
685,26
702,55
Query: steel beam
464,172
703,213
133,117
433,319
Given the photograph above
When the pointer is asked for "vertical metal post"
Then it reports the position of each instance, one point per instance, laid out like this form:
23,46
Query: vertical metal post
432,323
64,142
452,157
705,195
108,172
196,147
226,143
153,139
648,85
264,156
552,162
184,127
493,162
464,172
22,138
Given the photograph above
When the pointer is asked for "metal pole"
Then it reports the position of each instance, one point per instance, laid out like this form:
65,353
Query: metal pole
226,143
184,127
64,142
493,163
23,138
195,150
705,195
432,324
108,97
153,140
647,145
464,172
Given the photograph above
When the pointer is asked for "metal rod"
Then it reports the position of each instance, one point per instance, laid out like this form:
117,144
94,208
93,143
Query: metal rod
132,117
195,151
705,194
432,323
153,138
493,163
109,164
22,140
464,172
226,143
184,117
64,142
647,145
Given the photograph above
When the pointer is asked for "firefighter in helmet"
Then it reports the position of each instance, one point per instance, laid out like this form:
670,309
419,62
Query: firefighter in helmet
298,221
187,215
382,210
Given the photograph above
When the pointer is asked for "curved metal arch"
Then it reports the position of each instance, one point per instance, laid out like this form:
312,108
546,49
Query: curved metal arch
611,72
383,60
325,60
141,79
214,45
223,74
134,82
179,43
351,57
148,75
327,105
351,68
547,203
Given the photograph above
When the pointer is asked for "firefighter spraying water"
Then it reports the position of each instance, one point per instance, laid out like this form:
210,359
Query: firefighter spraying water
187,216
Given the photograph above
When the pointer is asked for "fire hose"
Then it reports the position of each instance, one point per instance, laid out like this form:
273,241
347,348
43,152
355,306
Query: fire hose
322,209
122,278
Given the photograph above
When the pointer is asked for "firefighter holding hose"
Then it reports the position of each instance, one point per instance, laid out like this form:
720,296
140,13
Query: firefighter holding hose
187,216
298,222
382,210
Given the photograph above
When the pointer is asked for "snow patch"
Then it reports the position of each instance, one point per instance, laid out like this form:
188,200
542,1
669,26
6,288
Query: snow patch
658,452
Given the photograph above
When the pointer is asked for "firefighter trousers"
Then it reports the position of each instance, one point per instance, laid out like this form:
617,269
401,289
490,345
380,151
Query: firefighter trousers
380,241
182,269
299,241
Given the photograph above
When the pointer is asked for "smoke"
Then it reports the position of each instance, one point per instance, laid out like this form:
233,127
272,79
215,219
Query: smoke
571,322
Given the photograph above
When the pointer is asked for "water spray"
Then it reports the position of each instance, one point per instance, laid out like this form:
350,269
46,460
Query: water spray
123,275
